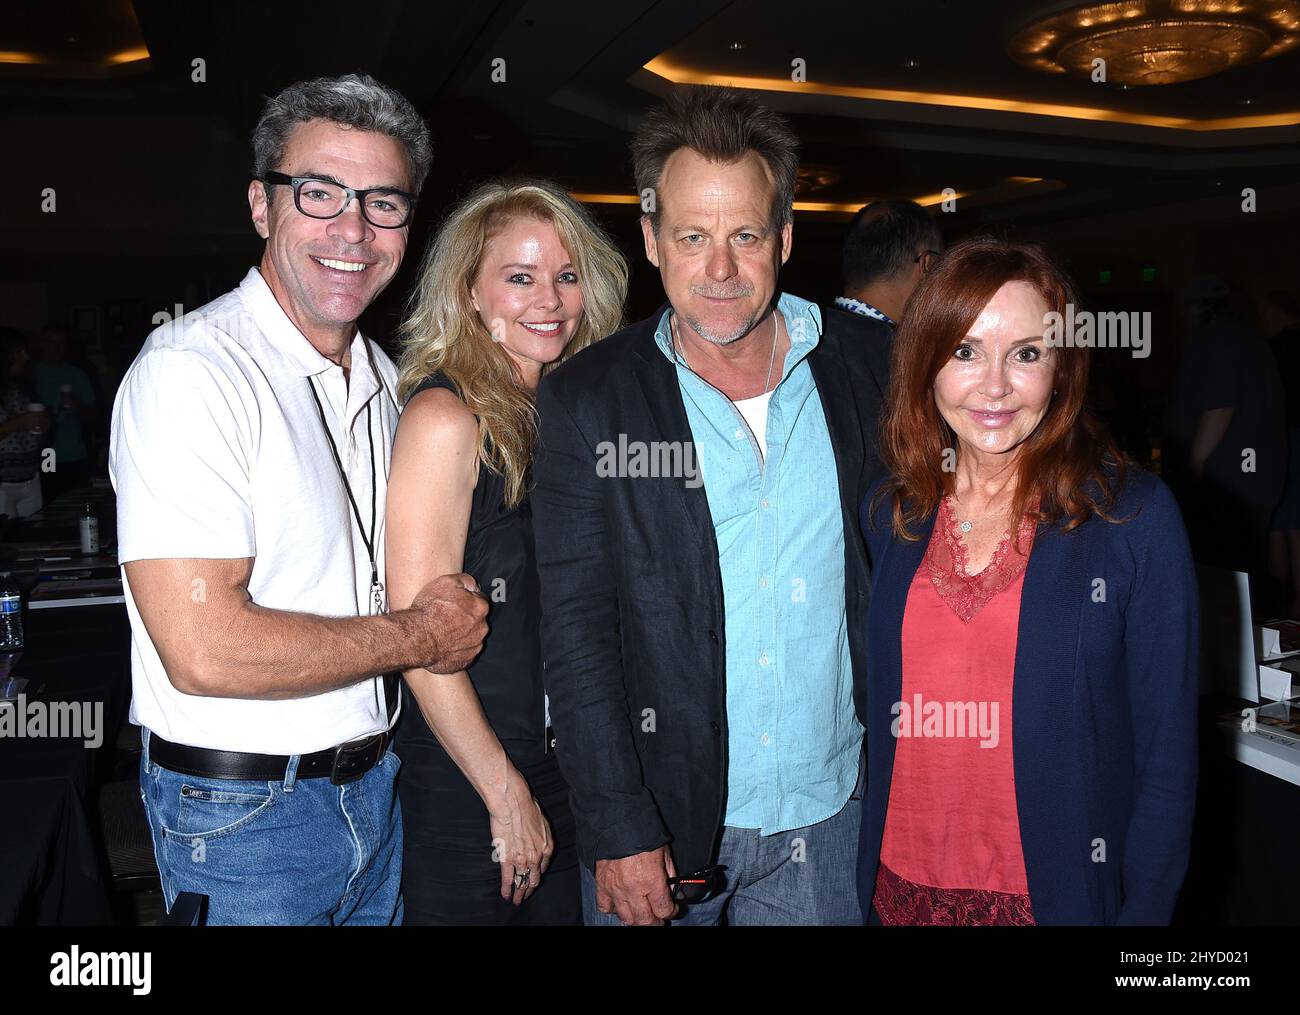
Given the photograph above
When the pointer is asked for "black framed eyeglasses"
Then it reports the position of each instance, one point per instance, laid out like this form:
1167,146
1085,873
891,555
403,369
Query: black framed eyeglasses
384,207
701,886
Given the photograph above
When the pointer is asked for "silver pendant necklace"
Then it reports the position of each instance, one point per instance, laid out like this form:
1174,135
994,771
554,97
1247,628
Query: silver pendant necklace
678,344
965,525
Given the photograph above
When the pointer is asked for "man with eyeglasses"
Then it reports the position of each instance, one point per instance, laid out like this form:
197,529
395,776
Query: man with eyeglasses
251,442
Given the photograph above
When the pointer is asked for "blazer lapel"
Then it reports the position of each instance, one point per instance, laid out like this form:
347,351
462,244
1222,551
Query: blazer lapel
1047,645
657,382
891,582
843,421
895,571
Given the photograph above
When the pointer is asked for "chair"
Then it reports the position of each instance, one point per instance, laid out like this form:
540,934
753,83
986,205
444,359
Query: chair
189,910
128,843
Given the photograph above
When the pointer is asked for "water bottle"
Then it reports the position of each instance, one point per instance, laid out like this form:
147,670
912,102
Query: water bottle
11,614
89,531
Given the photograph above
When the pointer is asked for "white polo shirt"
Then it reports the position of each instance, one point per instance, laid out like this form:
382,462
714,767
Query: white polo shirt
217,450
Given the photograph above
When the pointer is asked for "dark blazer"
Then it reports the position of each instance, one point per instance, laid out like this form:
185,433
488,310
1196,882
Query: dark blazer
877,340
633,633
1104,724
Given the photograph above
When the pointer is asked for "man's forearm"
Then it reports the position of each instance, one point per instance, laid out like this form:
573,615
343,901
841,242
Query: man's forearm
271,654
1210,430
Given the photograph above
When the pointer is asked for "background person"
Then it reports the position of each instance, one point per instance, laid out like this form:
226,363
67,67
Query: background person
1225,427
69,396
22,432
888,248
1280,315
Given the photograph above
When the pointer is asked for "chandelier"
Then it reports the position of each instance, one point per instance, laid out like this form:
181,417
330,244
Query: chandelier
1157,42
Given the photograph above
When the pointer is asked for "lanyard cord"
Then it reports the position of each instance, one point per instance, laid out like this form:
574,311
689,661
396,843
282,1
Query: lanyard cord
863,309
392,693
369,540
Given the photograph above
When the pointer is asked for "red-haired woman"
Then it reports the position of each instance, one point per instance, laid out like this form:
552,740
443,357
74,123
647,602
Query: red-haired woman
1032,630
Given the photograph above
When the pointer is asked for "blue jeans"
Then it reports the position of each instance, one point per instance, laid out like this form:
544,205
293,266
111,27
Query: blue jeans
280,852
804,877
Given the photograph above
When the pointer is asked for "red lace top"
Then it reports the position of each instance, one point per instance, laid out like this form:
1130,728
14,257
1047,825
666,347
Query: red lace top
951,852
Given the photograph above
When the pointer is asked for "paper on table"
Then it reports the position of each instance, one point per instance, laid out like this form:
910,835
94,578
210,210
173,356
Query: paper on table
1277,680
1278,639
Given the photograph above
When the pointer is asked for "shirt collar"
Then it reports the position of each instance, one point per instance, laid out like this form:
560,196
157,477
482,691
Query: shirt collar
299,355
803,322
865,309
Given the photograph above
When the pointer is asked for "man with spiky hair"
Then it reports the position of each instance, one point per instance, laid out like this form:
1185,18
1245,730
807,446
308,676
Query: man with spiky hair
703,641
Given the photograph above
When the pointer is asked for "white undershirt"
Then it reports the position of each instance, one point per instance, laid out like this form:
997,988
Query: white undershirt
755,412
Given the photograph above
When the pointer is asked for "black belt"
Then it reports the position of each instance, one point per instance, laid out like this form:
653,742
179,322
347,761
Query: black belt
343,764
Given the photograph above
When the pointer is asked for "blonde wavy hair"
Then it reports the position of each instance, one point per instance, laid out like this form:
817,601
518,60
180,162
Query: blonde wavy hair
443,332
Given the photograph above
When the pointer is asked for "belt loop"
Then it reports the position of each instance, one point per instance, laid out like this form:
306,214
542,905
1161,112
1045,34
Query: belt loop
291,773
144,749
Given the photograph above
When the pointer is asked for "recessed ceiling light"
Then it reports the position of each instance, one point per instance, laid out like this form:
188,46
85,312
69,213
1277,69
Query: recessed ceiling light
736,46
911,64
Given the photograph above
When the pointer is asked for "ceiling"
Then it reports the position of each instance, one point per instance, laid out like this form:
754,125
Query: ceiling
956,47
86,39
901,98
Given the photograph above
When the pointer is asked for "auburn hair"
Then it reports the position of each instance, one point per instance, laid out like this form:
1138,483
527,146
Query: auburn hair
1068,466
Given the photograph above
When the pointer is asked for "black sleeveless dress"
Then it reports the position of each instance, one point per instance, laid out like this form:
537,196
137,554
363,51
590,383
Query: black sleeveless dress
448,875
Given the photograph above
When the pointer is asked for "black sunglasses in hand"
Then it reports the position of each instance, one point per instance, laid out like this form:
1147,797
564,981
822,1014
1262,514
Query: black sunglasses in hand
701,886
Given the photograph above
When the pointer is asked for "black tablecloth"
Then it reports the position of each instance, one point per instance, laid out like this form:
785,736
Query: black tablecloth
51,870
1244,838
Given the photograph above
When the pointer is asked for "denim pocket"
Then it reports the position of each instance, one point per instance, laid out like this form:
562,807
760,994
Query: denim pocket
208,811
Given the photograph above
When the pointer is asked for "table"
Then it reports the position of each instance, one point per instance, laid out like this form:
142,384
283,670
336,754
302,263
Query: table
51,868
1246,831
44,553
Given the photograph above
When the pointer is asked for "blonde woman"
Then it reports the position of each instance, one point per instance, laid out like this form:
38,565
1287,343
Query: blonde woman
518,279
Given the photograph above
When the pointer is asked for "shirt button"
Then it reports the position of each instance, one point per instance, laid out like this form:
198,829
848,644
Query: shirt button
740,435
762,583
762,659
763,503
764,740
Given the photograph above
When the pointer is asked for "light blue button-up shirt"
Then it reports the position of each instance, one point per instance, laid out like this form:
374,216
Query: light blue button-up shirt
794,737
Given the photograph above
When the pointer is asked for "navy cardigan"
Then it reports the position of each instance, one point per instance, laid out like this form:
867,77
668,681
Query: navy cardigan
1105,693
